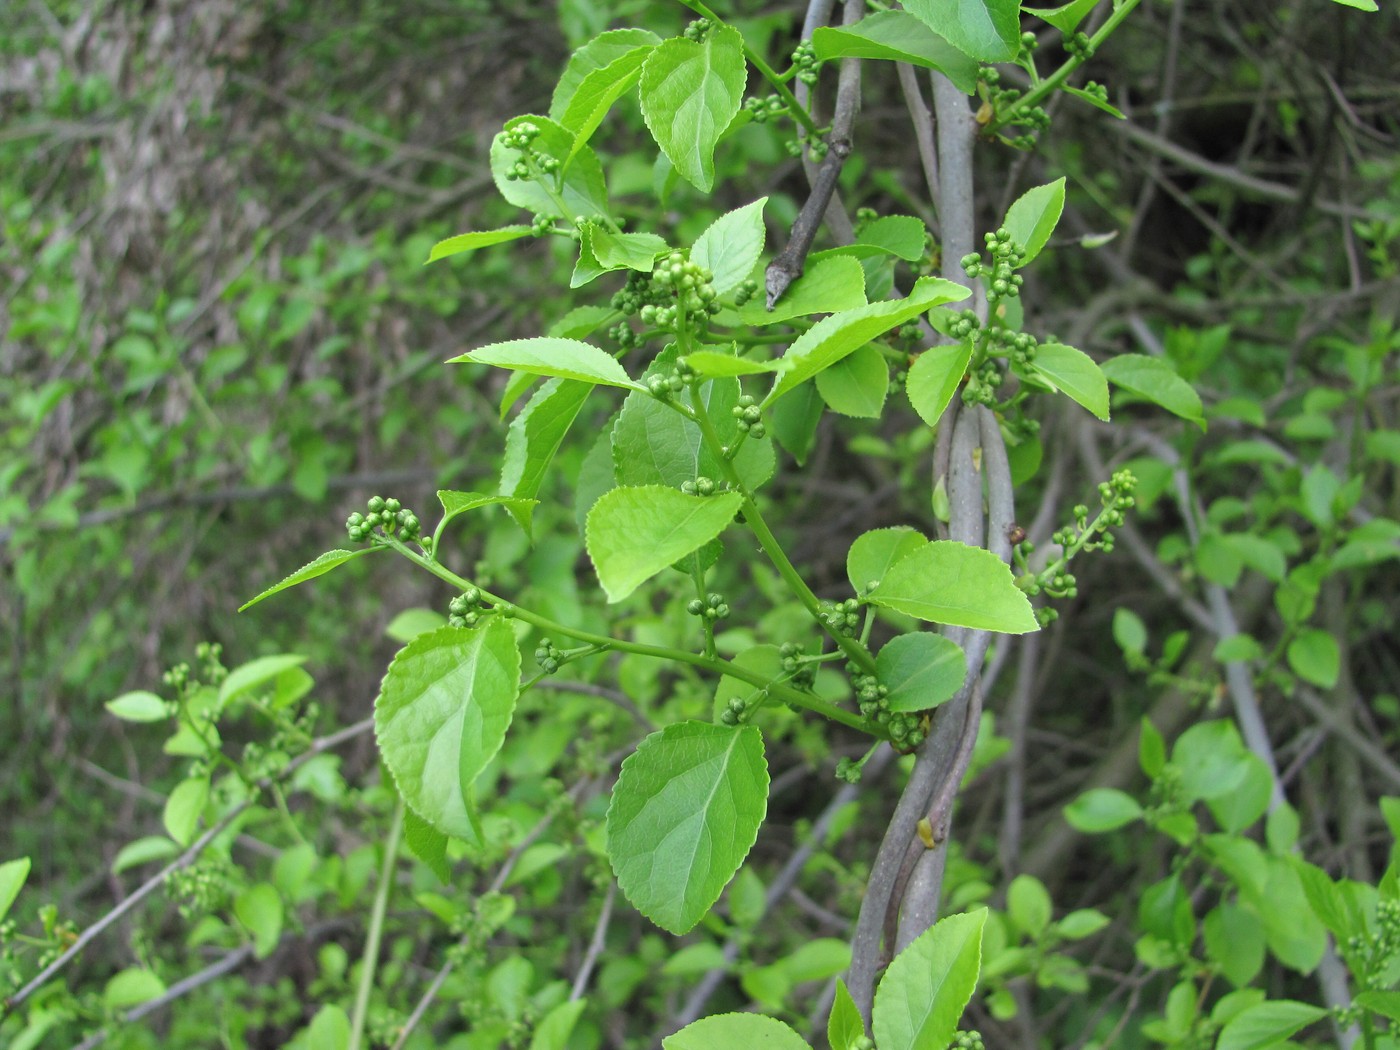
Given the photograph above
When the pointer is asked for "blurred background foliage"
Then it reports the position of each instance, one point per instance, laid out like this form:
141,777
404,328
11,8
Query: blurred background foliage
217,337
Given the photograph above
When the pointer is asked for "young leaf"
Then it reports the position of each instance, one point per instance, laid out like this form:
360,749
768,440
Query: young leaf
987,30
1234,939
684,814
897,36
1102,809
254,673
1314,657
132,855
715,364
259,909
322,565
597,92
690,93
934,377
140,706
1156,381
856,386
927,987
131,988
601,251
832,338
730,246
456,503
552,1033
635,532
920,670
1267,1024
903,236
1028,905
1032,218
795,421
952,583
12,876
329,1029
467,242
442,713
426,843
726,1031
1065,18
532,440
1074,373
583,190
1099,104
829,284
184,807
600,52
543,356
873,552
844,1027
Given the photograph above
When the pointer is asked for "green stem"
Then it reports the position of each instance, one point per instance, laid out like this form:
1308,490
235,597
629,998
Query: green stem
715,665
370,958
1052,83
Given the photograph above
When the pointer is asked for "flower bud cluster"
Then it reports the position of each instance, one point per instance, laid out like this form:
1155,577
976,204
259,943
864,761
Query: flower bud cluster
805,61
711,608
701,486
764,109
1003,280
748,418
521,138
1079,45
747,289
841,618
734,712
802,674
698,29
968,1040
386,515
467,609
548,656
982,384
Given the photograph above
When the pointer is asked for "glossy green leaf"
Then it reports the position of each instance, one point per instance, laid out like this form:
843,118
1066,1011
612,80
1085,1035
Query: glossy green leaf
184,807
1156,381
598,53
457,503
730,246
135,854
920,670
795,421
598,90
685,812
925,990
1314,657
856,385
1032,218
987,30
1268,1025
13,873
554,1029
1387,1004
426,843
634,532
1102,809
690,93
602,251
1065,18
903,236
1028,904
249,677
131,988
532,440
140,706
715,364
934,378
952,583
545,356
827,285
583,191
322,565
442,713
1234,940
834,337
1073,373
329,1029
844,1028
873,552
259,909
897,36
734,1031
467,242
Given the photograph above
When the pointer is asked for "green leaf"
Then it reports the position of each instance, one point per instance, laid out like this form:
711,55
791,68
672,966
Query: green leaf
1360,5
690,93
1156,381
844,1027
715,364
934,378
1028,905
925,990
184,807
322,565
765,660
410,623
1249,801
795,421
856,386
1032,218
1237,648
1295,935
259,909
1065,18
329,1029
987,30
747,900
1084,922
1261,555
598,53
1235,941
1096,102
545,356
684,814
1102,809
532,440
12,876
728,1031
1267,1025
598,90
131,988
1387,1004
1128,630
554,1029
602,251
255,673
834,337
921,670
897,36
1315,658
468,242
135,854
873,552
1211,757
442,713
952,583
583,191
427,843
635,532
140,706
730,246
1073,373
828,284
903,236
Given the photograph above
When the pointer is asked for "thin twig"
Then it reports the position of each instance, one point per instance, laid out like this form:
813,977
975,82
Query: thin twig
595,946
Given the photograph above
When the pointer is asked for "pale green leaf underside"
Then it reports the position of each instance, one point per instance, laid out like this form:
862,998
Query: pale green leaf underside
925,990
827,285
597,92
952,583
442,713
1073,373
897,36
987,30
690,92
322,565
546,356
601,51
729,248
532,440
1158,382
684,814
455,503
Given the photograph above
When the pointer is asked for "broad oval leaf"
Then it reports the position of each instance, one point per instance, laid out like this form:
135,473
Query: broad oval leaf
583,190
140,706
533,438
12,876
1102,809
684,814
132,987
690,93
920,670
832,338
987,30
247,677
601,51
897,36
828,284
1156,380
322,565
927,987
856,385
259,909
184,807
634,532
730,246
442,713
934,378
1315,658
952,583
468,242
548,356
727,1031
1267,1024
873,552
597,92
1073,373
1032,218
